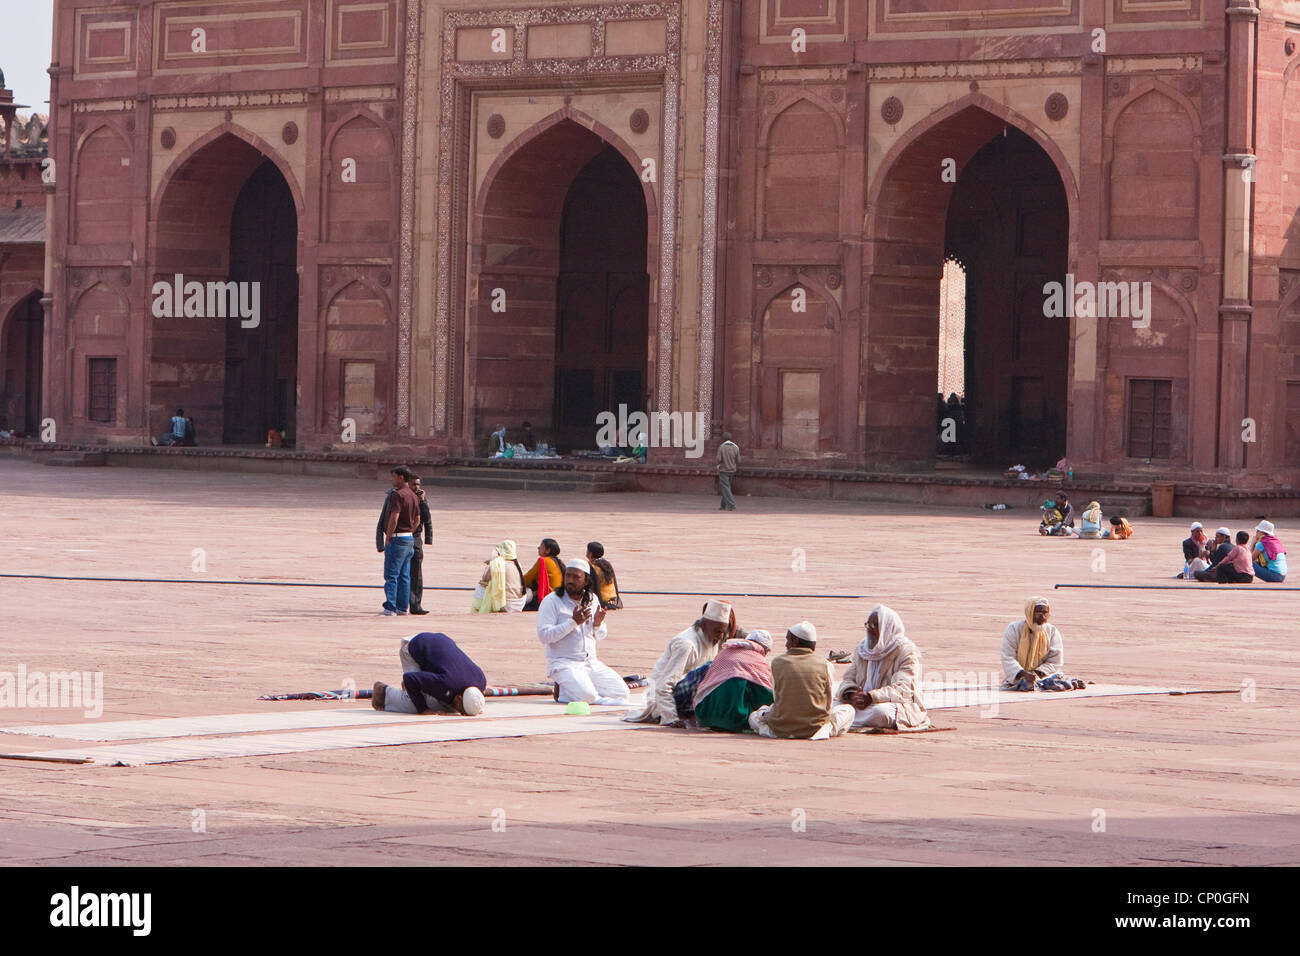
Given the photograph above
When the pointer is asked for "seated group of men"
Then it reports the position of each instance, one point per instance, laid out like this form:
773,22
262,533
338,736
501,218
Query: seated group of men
716,675
1224,562
505,586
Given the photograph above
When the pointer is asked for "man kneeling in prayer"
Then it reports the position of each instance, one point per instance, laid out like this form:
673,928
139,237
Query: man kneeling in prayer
803,685
737,683
883,679
437,676
569,623
687,651
1033,653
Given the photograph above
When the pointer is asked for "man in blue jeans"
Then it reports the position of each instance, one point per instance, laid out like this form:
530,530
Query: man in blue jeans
403,517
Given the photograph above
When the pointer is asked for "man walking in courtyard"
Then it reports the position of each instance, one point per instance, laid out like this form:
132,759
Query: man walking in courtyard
728,463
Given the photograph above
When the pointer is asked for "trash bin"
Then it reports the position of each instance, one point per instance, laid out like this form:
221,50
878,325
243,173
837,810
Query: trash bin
1162,499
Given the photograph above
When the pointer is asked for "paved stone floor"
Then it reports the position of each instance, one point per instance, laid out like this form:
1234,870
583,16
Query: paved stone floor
1194,779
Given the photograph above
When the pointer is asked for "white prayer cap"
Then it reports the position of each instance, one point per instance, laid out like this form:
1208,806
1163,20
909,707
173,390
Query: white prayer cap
805,631
1042,602
719,611
1197,526
579,563
471,702
1264,527
761,638
1225,532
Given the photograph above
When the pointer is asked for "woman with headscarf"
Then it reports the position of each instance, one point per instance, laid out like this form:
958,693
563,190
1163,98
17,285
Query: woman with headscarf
1270,556
1033,652
546,574
883,680
1090,525
737,683
502,586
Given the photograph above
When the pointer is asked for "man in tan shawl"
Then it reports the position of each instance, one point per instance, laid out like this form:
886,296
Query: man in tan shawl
1033,653
502,586
694,646
883,680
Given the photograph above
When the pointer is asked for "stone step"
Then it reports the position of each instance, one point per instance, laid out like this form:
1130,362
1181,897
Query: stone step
75,459
516,482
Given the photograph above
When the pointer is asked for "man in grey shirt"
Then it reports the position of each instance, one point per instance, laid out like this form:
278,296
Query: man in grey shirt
728,462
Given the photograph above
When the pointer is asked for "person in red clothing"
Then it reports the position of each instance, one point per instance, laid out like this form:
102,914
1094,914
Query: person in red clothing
546,574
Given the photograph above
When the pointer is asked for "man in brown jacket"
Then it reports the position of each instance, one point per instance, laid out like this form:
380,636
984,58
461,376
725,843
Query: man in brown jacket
802,683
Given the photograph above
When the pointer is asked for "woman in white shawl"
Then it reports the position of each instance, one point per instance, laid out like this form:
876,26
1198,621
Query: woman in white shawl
883,680
502,586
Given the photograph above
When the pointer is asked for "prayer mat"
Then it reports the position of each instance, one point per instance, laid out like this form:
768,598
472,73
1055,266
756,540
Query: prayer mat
263,745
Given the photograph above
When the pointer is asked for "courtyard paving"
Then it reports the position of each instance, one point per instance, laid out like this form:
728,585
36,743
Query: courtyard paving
1202,779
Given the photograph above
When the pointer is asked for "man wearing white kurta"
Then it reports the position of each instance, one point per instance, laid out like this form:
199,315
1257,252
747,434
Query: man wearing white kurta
569,623
696,645
883,679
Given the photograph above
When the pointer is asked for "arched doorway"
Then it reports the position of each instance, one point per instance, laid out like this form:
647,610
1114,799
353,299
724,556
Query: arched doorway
22,350
560,329
1005,217
227,215
1008,224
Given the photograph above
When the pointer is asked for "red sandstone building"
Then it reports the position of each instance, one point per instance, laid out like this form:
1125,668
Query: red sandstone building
461,214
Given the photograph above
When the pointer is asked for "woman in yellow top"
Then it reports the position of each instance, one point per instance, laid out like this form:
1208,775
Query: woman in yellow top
603,572
540,585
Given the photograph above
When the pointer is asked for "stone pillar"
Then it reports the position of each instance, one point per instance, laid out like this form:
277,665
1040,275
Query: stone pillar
1238,179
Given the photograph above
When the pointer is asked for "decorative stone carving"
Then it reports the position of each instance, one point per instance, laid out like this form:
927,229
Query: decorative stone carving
1056,106
167,138
891,111
639,121
496,126
289,133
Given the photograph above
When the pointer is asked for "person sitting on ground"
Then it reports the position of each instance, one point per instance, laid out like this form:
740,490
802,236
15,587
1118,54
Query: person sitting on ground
437,676
1051,520
501,588
1067,515
569,623
883,682
1119,529
526,437
539,585
1270,556
1222,546
737,683
176,436
696,645
1196,549
606,582
803,685
1090,523
1237,567
1033,652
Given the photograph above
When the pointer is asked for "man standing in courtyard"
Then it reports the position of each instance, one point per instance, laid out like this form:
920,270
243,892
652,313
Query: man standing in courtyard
398,523
728,463
424,534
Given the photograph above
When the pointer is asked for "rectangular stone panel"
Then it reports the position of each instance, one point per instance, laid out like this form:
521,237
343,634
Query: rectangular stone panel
362,31
105,42
484,43
1155,11
225,36
928,16
630,37
560,41
821,20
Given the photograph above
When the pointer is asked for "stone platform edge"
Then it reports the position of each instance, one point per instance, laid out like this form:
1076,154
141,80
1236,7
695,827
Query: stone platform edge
1191,497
